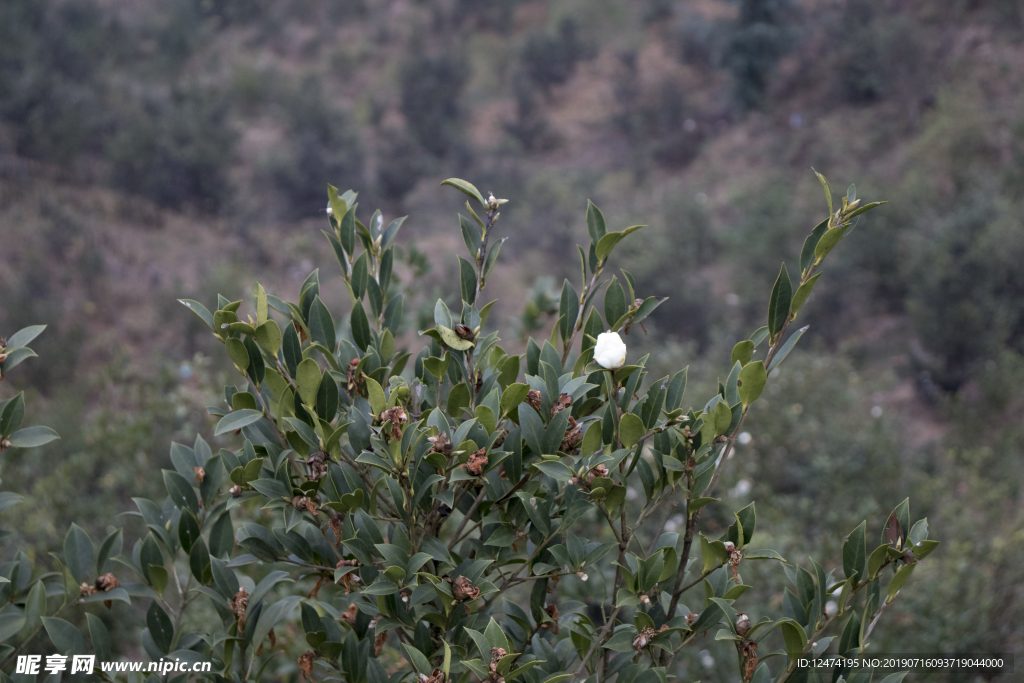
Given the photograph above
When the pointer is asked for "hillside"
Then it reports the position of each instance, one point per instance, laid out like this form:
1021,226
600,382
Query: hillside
150,153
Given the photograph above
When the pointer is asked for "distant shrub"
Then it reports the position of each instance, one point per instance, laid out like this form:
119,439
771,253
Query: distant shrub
322,143
431,88
760,38
551,60
51,91
176,152
529,127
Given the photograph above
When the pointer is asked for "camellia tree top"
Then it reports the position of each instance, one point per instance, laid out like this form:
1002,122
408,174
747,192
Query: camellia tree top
432,515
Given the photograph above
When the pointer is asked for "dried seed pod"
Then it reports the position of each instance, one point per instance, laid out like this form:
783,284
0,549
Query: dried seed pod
464,331
236,491
200,474
742,623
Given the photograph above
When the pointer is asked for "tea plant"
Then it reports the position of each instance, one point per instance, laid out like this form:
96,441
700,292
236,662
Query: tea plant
422,515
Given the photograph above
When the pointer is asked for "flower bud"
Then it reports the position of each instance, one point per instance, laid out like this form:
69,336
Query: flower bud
5,444
742,624
610,351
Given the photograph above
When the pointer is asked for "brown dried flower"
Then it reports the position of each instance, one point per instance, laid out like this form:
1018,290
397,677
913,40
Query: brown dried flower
463,589
533,398
306,664
552,611
236,491
200,474
317,465
476,463
441,444
238,604
598,471
561,403
349,615
378,642
107,582
644,638
436,676
749,652
88,589
397,417
573,436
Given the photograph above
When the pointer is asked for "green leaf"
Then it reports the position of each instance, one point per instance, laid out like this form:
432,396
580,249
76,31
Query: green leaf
807,253
467,189
778,305
236,420
787,348
199,310
268,336
453,340
237,353
307,376
65,637
9,498
467,280
753,377
826,188
338,206
595,223
458,399
376,396
802,292
742,352
827,243
31,437
631,429
512,396
614,303
568,309
100,637
897,581
360,327
895,678
14,358
24,336
795,639
855,553
160,627
78,553
321,324
608,242
35,604
180,491
260,295
12,412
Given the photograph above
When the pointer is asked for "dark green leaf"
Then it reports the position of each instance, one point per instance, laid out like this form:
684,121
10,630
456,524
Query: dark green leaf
778,305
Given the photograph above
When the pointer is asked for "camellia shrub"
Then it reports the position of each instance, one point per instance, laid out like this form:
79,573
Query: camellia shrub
429,515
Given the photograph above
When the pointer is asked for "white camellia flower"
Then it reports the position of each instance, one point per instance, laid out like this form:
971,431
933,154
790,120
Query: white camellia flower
610,351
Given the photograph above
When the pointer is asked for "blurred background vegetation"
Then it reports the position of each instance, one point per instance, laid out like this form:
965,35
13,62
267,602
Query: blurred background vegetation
150,151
